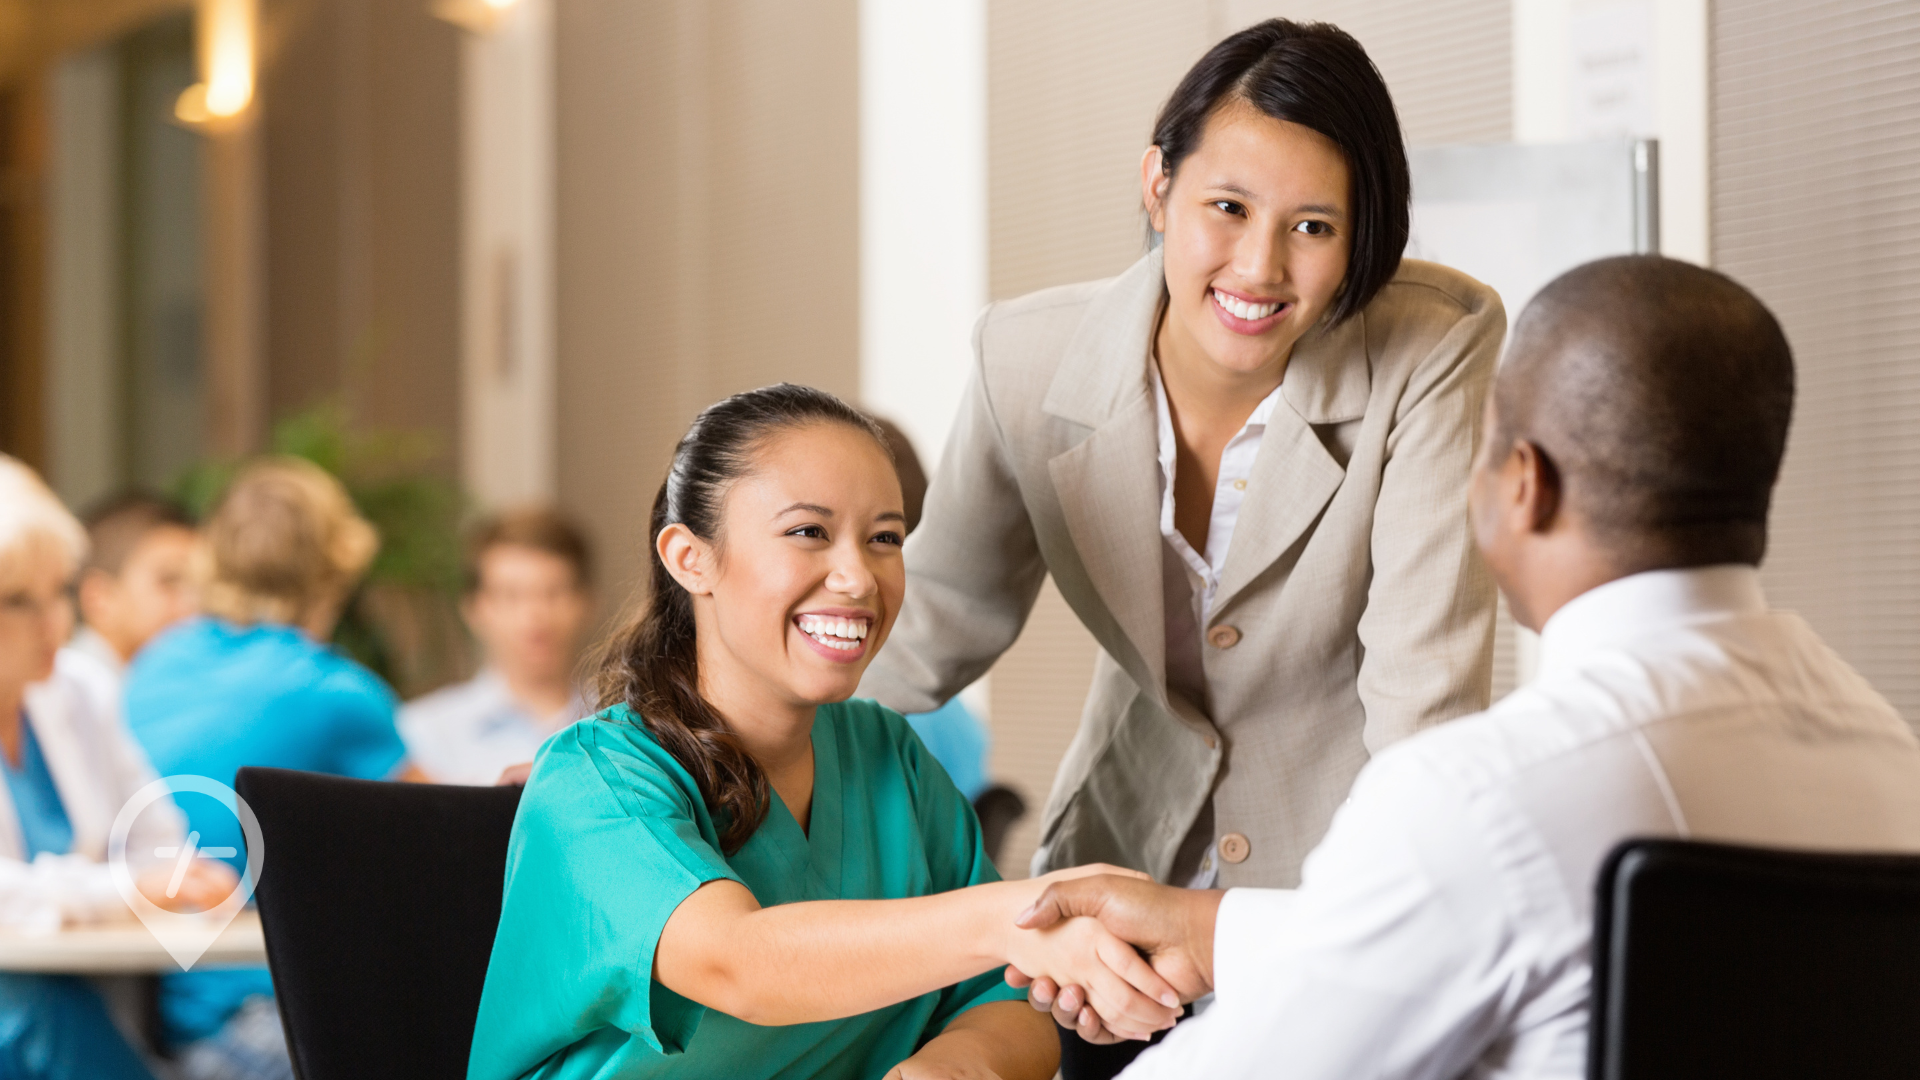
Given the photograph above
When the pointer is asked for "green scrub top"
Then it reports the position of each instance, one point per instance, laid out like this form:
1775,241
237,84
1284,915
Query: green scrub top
612,835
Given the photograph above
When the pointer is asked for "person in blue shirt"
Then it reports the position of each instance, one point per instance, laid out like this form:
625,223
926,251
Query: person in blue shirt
956,737
250,683
733,871
67,766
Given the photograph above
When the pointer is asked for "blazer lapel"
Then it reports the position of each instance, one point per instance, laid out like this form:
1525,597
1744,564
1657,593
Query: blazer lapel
1328,381
1109,494
1109,483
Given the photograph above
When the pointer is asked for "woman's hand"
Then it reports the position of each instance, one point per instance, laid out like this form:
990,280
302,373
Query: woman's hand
202,888
1174,927
1120,985
1110,979
1000,1040
915,1069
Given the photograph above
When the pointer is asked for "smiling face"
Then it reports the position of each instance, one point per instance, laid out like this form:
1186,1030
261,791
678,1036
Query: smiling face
1257,233
797,592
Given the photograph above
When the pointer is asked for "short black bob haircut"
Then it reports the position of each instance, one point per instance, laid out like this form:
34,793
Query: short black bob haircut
1315,75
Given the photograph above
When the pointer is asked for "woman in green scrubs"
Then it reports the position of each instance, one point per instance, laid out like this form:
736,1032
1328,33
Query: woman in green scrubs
732,870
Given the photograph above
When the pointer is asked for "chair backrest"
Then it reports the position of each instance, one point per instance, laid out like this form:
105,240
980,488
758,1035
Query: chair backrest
1711,960
998,808
379,903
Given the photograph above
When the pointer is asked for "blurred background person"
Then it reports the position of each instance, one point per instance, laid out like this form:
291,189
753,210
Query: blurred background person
252,682
529,573
136,580
69,766
957,738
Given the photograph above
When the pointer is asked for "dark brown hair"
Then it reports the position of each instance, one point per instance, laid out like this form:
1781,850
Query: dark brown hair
1315,75
913,475
541,528
651,665
117,526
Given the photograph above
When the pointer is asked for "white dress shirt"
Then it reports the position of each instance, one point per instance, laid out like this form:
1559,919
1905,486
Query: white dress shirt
1441,928
89,641
468,732
1190,578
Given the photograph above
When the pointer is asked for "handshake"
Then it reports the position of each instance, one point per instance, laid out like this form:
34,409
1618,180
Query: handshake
1112,954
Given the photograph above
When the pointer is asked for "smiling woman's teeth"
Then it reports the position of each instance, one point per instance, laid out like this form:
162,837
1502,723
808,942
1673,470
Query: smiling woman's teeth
842,634
1243,309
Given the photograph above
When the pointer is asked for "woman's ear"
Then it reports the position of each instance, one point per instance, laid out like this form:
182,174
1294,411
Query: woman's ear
1153,187
686,558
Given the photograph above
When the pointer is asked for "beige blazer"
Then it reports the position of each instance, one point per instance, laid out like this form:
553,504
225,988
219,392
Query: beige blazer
1362,611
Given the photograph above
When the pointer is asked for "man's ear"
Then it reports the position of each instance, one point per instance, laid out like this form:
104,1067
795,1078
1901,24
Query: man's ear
686,557
1540,493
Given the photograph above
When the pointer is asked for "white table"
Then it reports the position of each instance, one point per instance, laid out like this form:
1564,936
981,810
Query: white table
125,949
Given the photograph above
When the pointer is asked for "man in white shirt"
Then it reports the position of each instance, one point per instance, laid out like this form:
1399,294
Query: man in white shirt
529,573
1441,928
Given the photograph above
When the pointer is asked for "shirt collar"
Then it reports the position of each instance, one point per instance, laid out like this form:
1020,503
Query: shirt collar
1163,415
94,644
1623,609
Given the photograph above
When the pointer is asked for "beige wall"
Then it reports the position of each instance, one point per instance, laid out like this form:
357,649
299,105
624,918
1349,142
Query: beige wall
1073,87
360,158
706,234
1815,208
1449,64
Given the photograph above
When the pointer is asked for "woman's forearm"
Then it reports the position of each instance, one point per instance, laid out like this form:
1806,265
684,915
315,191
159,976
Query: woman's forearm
827,959
822,960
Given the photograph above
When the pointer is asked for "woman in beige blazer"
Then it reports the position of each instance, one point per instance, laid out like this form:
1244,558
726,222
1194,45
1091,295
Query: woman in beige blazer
1244,463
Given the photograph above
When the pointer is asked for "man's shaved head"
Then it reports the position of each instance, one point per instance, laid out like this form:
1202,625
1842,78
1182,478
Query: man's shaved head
1661,392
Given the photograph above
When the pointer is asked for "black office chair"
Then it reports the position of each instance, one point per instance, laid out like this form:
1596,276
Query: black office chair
998,808
1711,961
379,902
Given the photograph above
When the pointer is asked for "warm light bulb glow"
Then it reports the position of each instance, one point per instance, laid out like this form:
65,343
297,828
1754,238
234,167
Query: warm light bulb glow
499,5
226,33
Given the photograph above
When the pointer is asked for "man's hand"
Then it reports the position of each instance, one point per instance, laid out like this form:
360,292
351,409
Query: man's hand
1173,927
515,775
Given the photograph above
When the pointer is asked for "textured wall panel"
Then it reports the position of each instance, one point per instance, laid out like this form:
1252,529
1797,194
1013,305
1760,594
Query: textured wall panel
1816,148
1072,89
1449,65
706,233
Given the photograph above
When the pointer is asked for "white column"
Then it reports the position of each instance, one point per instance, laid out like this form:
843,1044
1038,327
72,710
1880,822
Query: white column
1586,69
507,332
923,216
923,208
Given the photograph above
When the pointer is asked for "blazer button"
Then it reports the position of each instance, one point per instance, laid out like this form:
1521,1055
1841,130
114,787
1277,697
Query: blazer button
1223,637
1235,848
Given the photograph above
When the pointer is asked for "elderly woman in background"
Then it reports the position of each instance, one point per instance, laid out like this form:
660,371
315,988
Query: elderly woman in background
69,767
252,682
